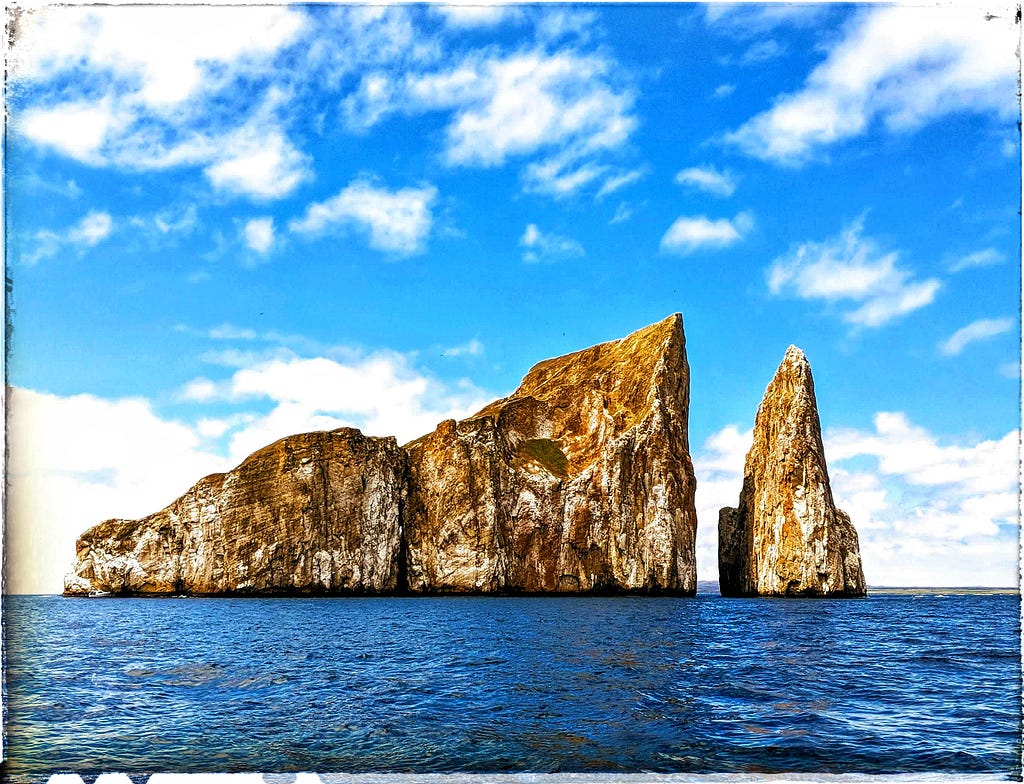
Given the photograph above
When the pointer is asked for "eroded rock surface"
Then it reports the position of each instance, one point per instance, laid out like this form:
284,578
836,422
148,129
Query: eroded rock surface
580,481
786,537
312,513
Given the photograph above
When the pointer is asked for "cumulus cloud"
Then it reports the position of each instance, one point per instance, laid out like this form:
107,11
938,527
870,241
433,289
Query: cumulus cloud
708,179
75,461
396,222
565,106
259,234
927,512
382,393
724,90
156,87
982,329
851,267
541,246
527,101
931,512
690,234
258,161
900,66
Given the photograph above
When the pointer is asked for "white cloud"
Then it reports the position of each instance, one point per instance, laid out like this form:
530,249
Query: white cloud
397,222
724,90
478,15
718,465
748,20
976,330
167,51
708,179
566,106
619,181
690,234
77,129
365,107
1010,370
902,66
259,234
761,51
381,393
75,461
258,162
548,247
172,221
851,267
927,513
471,348
94,227
622,213
988,257
949,514
151,81
530,101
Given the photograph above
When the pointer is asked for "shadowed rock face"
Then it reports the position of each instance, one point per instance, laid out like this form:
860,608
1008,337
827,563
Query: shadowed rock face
786,537
580,481
313,513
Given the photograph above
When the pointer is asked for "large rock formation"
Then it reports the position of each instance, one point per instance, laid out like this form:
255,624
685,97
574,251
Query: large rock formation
312,513
786,537
580,481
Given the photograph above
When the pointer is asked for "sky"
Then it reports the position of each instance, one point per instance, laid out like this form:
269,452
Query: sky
225,225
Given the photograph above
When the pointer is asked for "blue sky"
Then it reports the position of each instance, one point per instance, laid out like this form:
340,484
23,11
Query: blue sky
226,225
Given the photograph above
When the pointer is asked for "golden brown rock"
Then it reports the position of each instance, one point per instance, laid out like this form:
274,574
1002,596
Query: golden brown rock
786,537
580,481
313,513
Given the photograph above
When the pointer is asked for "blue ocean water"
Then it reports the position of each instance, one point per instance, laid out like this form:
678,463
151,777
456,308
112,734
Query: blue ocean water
891,683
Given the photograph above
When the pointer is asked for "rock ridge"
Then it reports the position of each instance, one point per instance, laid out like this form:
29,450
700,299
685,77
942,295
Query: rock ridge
786,537
580,481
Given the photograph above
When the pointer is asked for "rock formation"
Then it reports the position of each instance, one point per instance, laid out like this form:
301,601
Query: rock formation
786,537
312,513
580,481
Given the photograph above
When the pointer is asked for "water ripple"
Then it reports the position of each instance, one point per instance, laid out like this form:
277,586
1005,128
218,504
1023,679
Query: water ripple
889,684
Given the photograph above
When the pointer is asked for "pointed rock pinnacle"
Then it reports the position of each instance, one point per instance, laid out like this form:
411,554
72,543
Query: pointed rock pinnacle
786,537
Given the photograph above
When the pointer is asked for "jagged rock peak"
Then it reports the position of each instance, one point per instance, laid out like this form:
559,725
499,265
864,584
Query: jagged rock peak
579,481
786,537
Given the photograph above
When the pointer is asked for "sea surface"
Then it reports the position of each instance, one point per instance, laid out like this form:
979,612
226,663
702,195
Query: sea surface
900,682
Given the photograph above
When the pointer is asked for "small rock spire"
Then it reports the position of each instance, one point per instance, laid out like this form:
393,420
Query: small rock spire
786,537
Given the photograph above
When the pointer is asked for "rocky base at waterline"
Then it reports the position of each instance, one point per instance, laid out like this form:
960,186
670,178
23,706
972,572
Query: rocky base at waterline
786,537
579,482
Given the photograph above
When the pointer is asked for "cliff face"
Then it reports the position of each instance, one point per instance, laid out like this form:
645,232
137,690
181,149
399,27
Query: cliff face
579,481
310,513
786,537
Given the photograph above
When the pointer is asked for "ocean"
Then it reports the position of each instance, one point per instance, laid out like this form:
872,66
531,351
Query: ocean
901,682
